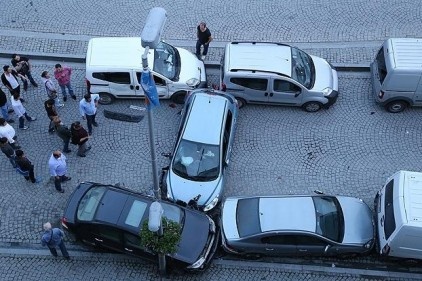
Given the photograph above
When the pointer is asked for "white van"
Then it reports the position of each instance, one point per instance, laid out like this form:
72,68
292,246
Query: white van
114,65
396,74
398,208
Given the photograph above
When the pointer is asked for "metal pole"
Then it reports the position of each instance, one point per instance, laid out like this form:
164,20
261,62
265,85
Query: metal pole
162,268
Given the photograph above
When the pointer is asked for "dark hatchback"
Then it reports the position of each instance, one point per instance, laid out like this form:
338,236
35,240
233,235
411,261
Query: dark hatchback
111,217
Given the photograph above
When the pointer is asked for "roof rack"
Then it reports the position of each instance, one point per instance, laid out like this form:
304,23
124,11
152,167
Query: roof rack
258,70
254,43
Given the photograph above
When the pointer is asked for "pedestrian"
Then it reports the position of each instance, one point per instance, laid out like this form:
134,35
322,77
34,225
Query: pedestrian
9,78
63,132
20,111
4,107
50,88
25,166
23,66
88,109
62,75
8,132
204,39
58,169
8,150
50,108
52,238
80,137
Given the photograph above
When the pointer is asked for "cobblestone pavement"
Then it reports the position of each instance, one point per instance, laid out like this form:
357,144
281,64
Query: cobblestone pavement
349,149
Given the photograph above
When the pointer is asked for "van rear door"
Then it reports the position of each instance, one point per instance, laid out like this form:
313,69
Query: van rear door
378,72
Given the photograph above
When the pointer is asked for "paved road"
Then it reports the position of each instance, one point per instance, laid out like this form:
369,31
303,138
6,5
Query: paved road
349,149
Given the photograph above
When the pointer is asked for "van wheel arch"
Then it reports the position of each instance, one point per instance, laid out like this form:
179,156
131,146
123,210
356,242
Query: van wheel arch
106,98
396,106
178,97
312,106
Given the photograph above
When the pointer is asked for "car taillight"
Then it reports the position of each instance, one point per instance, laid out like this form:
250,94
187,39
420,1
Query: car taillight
385,250
64,222
381,94
88,85
223,87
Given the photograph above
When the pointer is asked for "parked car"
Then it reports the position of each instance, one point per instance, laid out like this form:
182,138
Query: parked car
297,225
114,66
112,217
203,147
279,74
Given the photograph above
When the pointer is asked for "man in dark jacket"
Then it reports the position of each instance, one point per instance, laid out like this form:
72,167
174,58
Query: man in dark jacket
25,166
9,78
63,132
23,66
4,107
51,110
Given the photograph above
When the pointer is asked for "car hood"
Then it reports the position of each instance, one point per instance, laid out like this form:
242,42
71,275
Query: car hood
191,67
196,228
325,75
183,189
358,221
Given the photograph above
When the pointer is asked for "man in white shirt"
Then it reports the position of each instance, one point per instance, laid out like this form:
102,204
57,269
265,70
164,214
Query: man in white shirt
88,110
8,132
20,111
58,169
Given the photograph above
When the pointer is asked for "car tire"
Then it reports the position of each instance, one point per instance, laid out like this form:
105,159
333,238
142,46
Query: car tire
312,106
241,102
178,97
396,106
106,98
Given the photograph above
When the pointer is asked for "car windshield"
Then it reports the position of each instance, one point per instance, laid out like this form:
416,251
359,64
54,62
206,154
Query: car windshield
303,69
89,203
173,213
329,218
197,161
167,61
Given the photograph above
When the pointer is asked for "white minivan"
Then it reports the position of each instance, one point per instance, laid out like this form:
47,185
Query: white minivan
398,209
114,65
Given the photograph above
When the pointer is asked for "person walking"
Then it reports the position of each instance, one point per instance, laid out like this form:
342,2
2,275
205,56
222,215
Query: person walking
63,132
20,111
80,137
23,66
8,132
8,150
58,169
88,110
9,78
52,238
4,107
50,108
62,75
50,88
26,168
204,39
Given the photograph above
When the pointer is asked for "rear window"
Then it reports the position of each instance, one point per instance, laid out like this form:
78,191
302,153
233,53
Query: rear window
390,220
247,217
89,203
114,77
382,68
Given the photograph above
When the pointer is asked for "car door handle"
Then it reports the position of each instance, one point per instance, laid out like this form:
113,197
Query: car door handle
303,250
137,87
129,250
269,249
266,94
98,240
271,94
131,87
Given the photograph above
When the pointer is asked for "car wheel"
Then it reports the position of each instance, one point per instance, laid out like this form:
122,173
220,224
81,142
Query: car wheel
396,106
312,106
178,97
106,98
241,102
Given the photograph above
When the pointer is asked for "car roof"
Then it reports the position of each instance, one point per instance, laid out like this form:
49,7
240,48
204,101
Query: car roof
117,52
266,57
206,117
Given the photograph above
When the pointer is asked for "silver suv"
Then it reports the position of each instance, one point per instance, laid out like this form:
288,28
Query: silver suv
275,73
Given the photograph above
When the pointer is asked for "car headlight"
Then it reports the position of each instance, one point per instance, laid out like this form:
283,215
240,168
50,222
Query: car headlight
193,82
211,204
198,263
327,91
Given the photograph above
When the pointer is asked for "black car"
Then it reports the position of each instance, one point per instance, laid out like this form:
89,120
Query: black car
112,217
